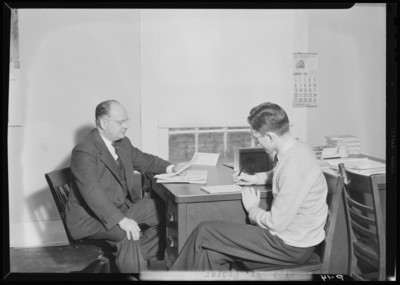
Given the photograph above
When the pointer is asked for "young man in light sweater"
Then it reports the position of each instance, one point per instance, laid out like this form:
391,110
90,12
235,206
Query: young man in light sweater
285,234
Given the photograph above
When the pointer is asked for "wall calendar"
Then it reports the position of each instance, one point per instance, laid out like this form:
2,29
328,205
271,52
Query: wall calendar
305,80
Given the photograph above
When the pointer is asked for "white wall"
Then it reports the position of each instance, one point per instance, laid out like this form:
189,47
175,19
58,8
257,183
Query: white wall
71,60
352,76
210,67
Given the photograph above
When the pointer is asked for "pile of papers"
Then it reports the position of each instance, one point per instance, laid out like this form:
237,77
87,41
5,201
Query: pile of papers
191,176
352,142
363,166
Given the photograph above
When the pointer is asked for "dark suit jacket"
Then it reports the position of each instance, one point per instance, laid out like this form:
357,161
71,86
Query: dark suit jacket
96,194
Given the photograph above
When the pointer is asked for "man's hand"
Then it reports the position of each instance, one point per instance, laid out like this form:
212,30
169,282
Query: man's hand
131,228
250,198
177,167
244,179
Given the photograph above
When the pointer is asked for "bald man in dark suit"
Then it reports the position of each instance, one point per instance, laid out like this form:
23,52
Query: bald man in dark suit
102,203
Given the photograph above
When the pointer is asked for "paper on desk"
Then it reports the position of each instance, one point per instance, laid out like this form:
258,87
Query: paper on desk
368,172
191,176
199,158
203,158
364,164
187,165
334,163
323,164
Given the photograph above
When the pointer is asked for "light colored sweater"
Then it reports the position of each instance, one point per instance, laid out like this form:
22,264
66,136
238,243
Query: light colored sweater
299,210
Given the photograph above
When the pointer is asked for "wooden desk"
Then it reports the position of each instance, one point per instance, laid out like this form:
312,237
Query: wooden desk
187,205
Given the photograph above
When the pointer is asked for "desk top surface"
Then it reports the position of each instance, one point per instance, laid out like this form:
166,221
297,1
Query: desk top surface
217,175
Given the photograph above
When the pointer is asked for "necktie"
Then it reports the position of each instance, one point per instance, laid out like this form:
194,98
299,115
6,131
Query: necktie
275,160
119,160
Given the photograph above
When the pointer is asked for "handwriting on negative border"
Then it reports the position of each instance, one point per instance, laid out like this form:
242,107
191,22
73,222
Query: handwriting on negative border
328,277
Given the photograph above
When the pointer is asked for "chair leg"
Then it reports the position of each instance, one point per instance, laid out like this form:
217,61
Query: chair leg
104,261
106,265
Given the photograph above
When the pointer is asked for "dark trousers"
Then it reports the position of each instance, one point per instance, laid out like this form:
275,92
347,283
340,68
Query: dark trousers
130,254
213,244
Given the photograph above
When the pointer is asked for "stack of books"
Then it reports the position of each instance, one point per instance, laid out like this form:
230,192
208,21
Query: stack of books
329,152
352,142
318,151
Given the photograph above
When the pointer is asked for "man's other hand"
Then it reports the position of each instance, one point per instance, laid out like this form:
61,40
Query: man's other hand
250,198
131,228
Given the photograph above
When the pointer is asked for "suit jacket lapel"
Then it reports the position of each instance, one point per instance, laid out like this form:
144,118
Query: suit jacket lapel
127,165
106,156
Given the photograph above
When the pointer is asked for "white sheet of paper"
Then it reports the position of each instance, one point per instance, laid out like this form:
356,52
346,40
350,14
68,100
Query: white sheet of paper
368,172
334,163
364,164
204,158
222,189
187,165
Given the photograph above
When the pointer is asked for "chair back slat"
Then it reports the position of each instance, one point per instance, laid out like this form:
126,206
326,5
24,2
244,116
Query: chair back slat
357,205
361,218
64,193
363,230
66,188
61,197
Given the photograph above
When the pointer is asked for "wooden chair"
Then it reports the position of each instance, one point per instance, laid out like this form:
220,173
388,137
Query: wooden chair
59,183
365,225
317,263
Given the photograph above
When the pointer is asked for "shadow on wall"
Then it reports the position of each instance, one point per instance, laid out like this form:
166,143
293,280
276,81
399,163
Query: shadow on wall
41,205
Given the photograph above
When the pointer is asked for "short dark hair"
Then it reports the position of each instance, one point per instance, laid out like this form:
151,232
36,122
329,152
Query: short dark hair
103,109
268,117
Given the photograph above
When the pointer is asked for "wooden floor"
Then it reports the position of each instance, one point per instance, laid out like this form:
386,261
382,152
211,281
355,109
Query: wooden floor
60,259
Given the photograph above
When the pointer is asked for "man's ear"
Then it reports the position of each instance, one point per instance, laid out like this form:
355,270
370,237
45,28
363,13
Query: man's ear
102,124
272,136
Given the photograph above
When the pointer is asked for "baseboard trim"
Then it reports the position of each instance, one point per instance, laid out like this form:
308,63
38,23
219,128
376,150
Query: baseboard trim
38,234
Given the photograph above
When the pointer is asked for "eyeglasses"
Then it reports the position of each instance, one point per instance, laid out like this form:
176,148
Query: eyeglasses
255,138
120,122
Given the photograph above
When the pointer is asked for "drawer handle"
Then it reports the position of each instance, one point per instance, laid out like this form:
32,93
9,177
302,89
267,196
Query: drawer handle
170,217
172,242
145,189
